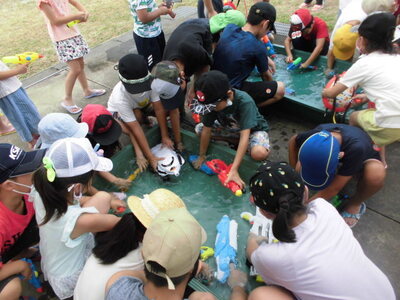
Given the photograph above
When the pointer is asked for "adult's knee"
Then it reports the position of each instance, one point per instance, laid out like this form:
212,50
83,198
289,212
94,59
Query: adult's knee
259,153
12,290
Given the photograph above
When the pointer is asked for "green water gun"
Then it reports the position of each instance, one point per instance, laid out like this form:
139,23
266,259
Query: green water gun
297,63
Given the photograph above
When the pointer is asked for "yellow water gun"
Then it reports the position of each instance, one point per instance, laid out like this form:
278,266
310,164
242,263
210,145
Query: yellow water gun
73,23
135,174
206,253
22,58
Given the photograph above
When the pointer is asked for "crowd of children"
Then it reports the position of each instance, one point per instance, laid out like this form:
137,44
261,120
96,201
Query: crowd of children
47,196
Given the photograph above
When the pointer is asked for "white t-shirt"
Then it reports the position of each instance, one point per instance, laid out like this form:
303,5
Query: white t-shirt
353,11
124,103
94,276
325,263
9,85
62,258
379,76
344,3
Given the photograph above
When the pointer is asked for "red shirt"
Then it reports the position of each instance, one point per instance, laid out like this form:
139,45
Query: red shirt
319,31
397,12
12,225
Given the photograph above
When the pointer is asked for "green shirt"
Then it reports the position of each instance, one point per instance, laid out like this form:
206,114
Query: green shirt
150,29
242,114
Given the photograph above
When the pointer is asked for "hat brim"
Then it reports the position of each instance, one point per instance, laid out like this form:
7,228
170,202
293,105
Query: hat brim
111,136
83,129
30,163
103,165
174,102
138,87
316,182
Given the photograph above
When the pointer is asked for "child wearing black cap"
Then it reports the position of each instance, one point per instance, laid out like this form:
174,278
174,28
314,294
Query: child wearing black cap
317,256
18,228
236,112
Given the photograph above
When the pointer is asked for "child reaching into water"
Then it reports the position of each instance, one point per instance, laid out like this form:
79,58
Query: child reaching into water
66,219
70,46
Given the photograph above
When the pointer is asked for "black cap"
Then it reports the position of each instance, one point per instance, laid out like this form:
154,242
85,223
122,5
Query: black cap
262,11
212,87
15,161
378,27
134,74
273,180
106,130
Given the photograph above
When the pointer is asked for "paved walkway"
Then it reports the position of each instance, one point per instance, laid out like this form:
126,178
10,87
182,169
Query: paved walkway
378,231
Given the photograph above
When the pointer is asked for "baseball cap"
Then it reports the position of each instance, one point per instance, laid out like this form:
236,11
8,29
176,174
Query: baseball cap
167,83
72,157
396,35
378,27
56,126
15,161
319,158
148,207
221,20
300,20
210,88
102,126
344,42
263,11
173,240
134,74
271,181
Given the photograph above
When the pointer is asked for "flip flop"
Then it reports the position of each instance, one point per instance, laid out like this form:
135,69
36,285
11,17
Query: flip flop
317,7
9,131
96,93
357,217
70,108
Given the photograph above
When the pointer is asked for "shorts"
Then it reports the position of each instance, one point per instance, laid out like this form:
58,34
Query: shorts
72,48
380,136
260,91
259,138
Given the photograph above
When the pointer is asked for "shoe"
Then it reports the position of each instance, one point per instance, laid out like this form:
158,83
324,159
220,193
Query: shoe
8,131
70,108
304,5
357,217
317,7
96,93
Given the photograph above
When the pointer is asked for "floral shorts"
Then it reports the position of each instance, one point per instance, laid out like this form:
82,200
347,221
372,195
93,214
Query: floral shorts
72,48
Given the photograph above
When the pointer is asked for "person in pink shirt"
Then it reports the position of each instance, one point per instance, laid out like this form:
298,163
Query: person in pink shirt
70,45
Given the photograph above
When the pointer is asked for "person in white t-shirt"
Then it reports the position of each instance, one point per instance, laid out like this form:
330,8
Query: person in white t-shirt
377,73
317,256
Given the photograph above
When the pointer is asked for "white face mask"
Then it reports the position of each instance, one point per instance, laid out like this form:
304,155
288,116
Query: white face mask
77,198
228,103
30,187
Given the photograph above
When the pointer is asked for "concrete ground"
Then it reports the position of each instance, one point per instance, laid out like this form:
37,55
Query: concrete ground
379,229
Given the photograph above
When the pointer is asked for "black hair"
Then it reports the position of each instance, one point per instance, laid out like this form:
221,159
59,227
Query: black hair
255,19
54,194
161,281
289,205
119,241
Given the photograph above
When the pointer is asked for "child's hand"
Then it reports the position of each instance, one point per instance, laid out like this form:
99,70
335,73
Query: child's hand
172,14
359,99
81,16
164,10
197,163
167,142
24,269
236,278
154,160
180,147
142,163
122,184
304,65
234,176
117,204
289,59
21,69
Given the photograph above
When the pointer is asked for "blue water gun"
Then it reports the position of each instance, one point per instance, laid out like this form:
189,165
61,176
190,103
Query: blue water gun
34,281
204,168
225,247
270,48
297,63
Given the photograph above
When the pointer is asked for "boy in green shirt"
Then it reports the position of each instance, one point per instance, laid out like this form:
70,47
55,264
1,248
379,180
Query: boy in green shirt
236,113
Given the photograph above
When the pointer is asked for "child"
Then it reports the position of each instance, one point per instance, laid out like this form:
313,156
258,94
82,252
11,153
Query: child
66,218
16,104
307,3
314,245
235,111
70,46
396,40
129,96
18,228
307,33
377,74
147,31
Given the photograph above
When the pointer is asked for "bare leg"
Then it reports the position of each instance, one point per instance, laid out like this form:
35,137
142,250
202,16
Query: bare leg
270,292
74,72
5,125
259,153
280,93
12,290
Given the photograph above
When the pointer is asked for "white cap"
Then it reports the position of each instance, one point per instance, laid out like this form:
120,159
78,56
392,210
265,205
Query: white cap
396,33
296,20
75,156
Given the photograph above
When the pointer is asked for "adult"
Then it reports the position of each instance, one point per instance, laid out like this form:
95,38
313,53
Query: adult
329,156
317,256
209,8
240,50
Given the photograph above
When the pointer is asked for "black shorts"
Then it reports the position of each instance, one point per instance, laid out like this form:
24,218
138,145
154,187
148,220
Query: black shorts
309,45
151,49
260,91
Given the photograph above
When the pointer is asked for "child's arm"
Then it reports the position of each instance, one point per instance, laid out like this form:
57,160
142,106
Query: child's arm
93,223
146,17
15,267
80,8
204,142
334,91
121,183
57,21
288,46
19,69
162,123
314,55
176,128
240,152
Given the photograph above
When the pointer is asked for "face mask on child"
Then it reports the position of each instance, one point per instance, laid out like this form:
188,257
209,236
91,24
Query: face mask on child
77,197
23,185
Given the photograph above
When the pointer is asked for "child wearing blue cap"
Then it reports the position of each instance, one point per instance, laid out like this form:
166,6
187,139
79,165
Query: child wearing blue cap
328,156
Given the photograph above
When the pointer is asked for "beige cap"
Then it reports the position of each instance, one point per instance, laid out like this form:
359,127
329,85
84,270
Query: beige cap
173,240
148,207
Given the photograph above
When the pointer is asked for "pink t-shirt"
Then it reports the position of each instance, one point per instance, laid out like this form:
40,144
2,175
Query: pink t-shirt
12,225
60,9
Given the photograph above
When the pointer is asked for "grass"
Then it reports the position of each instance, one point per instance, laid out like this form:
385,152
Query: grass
24,29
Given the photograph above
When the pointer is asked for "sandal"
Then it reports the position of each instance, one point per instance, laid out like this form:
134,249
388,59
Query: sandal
96,93
357,217
317,7
304,5
72,109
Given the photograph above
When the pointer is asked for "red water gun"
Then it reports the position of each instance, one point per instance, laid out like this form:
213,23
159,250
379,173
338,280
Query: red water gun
220,167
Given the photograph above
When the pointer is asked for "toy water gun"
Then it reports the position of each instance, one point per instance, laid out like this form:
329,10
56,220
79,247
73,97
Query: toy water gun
297,63
220,168
261,226
22,58
290,91
196,118
206,253
73,23
339,199
204,168
135,174
270,48
34,281
225,247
